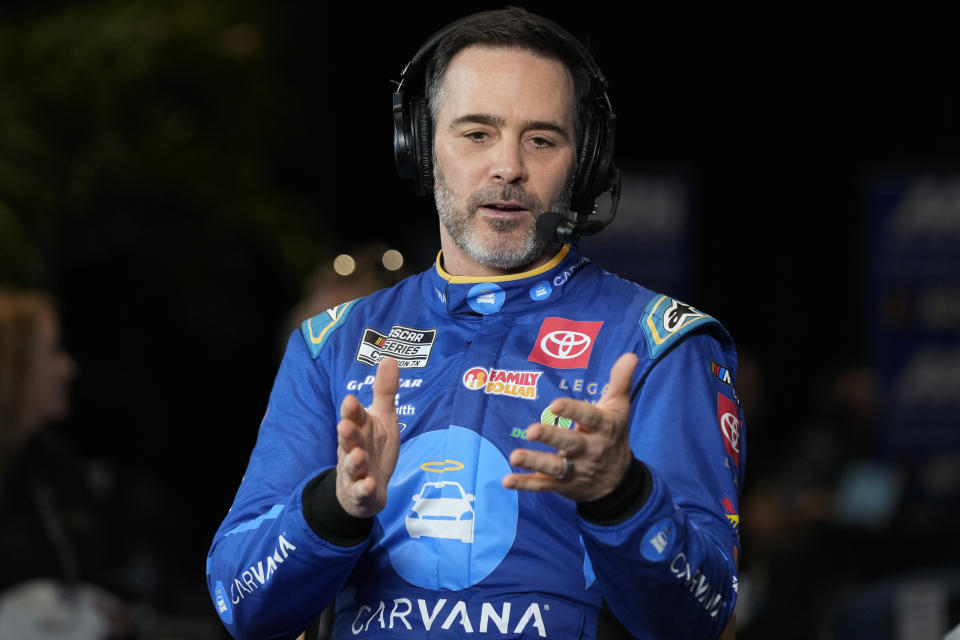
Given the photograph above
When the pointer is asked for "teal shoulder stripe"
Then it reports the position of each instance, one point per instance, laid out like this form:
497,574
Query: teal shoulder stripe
317,329
665,320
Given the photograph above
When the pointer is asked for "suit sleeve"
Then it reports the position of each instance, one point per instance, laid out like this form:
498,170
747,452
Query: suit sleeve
268,571
666,564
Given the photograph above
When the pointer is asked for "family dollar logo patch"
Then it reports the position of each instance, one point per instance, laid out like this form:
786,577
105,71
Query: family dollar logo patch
502,382
410,347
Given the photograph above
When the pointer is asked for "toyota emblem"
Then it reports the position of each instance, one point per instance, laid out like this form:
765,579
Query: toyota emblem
730,425
565,345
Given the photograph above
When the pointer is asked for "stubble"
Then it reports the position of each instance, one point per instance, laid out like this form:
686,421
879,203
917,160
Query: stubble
504,249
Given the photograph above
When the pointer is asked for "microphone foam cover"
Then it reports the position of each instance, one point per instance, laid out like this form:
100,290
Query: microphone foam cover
547,225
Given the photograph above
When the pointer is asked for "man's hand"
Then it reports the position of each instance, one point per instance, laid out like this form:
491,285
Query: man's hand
367,445
598,446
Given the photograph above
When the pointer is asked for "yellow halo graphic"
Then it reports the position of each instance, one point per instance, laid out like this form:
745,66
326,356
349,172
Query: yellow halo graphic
440,467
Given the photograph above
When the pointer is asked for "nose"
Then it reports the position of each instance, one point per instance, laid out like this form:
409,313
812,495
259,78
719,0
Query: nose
507,163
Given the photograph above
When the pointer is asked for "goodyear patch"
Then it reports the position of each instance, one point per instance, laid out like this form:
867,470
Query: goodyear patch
666,319
319,328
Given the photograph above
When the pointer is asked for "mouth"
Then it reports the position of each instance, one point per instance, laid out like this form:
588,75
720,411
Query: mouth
504,207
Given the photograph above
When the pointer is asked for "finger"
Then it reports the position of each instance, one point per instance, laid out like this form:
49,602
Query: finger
530,482
346,466
564,440
360,488
359,463
348,435
590,417
587,416
355,466
365,487
351,409
621,378
545,462
385,386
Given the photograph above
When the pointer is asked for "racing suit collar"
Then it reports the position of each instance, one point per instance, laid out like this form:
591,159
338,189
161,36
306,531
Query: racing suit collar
512,294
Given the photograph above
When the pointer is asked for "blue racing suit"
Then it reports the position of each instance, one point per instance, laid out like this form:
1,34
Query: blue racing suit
454,554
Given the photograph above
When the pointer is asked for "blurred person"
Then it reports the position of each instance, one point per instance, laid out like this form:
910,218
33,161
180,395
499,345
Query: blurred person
365,268
514,441
35,371
51,548
817,513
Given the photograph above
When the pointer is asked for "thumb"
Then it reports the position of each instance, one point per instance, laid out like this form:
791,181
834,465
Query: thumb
385,386
621,375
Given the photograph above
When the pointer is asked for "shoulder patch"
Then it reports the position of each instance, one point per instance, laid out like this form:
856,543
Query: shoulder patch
666,319
317,329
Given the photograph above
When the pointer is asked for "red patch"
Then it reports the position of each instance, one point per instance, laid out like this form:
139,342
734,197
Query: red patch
565,344
728,505
475,378
729,420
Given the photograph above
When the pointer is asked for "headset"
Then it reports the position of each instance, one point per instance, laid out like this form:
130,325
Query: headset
595,172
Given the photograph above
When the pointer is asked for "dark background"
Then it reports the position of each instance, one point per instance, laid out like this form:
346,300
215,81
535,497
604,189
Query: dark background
174,171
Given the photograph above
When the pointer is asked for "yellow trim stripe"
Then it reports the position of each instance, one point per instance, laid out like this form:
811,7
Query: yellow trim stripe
318,339
564,250
653,327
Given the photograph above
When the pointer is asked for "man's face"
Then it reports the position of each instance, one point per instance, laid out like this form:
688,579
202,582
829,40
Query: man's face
49,373
504,152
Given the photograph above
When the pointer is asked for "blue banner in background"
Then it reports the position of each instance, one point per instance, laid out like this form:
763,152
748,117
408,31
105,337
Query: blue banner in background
913,295
649,241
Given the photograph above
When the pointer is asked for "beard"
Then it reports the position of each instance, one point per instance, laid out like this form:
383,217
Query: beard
504,249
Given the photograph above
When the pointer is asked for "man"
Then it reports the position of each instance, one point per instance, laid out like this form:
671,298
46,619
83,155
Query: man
514,443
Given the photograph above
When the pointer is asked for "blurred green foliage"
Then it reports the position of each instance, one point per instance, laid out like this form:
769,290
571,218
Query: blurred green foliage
144,181
118,115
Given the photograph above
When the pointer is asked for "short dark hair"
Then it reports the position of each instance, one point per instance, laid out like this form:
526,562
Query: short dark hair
517,28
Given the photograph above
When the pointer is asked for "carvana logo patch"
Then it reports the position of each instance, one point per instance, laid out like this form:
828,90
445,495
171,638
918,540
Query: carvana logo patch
448,522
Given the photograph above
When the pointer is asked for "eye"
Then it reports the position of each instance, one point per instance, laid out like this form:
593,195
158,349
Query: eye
539,142
477,136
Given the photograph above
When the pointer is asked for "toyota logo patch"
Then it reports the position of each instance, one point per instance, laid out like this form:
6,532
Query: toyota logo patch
730,426
565,344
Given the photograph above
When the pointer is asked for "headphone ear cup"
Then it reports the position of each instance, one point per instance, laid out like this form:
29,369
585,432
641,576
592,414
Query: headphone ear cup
422,145
582,196
402,132
595,171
